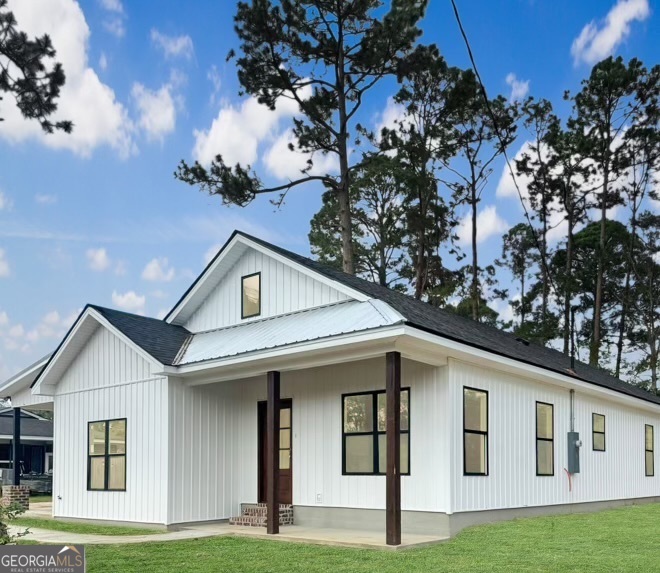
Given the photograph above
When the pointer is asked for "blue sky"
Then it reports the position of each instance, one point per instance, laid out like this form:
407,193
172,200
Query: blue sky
98,216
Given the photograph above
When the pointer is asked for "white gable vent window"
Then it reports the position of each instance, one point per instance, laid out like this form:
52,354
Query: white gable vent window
251,295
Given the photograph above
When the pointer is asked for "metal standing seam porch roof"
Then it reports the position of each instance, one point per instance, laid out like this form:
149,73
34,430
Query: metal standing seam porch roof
301,326
167,342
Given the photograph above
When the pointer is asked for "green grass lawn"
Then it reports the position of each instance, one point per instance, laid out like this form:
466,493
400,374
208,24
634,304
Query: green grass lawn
620,540
39,498
57,525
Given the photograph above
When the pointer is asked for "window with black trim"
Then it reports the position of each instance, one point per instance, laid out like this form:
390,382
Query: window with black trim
545,439
106,455
251,295
475,432
364,439
598,432
649,450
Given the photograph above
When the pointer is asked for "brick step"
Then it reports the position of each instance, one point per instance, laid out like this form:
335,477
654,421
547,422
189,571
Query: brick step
254,515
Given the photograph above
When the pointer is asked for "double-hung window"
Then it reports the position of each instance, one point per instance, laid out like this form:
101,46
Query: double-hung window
545,444
598,432
475,432
363,437
649,447
106,456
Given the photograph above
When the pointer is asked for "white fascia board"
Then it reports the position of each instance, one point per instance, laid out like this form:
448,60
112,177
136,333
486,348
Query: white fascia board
348,347
238,238
23,379
42,388
472,355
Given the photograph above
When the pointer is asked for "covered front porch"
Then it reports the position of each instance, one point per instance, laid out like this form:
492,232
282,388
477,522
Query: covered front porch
285,442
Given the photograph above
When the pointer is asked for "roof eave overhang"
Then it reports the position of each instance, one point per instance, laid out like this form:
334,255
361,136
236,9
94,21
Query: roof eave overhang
23,379
467,353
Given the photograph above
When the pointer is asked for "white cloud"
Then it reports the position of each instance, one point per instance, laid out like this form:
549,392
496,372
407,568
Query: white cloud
157,111
129,301
45,199
284,163
52,325
213,75
489,224
238,130
519,88
17,331
390,116
173,46
597,40
4,318
158,270
5,202
103,61
113,6
115,26
120,268
99,119
115,21
5,271
98,259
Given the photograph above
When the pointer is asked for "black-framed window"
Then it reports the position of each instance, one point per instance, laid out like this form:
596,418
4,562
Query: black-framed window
251,295
649,448
598,432
475,432
106,455
364,440
545,439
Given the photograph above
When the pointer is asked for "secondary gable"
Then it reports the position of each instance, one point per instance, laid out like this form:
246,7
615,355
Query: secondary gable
284,289
103,361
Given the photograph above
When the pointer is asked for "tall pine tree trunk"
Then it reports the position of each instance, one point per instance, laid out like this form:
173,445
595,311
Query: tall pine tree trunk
594,349
345,218
568,294
625,302
475,263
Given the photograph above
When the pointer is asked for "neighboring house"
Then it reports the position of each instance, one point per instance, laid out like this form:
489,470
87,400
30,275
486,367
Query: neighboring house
393,414
36,450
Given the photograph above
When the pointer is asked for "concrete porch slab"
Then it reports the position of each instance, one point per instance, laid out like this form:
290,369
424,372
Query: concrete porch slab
323,536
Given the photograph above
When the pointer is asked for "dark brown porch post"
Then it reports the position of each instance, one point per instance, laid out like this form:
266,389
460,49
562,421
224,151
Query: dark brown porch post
16,447
272,452
393,474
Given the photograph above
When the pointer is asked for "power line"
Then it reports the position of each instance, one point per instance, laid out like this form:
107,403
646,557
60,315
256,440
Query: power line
502,145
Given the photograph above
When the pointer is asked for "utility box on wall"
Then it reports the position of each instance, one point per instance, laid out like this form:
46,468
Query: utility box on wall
574,445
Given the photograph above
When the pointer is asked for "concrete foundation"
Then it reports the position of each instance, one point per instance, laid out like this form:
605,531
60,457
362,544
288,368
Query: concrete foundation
437,523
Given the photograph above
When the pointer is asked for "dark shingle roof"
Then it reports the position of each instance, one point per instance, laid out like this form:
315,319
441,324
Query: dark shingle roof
460,329
30,426
156,337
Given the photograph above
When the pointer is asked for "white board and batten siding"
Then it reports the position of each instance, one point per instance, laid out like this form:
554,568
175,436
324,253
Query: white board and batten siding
214,447
108,380
616,473
283,290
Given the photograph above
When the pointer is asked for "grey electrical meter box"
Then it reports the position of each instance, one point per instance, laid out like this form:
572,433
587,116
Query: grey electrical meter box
574,445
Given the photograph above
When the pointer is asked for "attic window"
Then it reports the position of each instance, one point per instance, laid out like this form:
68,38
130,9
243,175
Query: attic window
251,295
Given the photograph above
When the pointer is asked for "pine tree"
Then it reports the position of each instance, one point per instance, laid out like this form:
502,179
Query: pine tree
603,109
326,56
24,75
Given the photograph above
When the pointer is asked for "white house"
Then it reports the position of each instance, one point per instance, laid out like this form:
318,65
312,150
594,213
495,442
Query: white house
276,379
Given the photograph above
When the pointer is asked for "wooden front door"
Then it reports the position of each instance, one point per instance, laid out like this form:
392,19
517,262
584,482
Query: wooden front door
286,469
